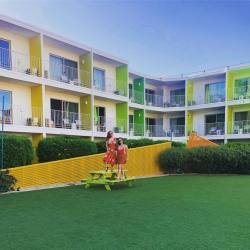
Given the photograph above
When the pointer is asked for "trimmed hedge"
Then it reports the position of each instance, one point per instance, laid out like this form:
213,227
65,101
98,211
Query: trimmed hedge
64,147
18,151
225,159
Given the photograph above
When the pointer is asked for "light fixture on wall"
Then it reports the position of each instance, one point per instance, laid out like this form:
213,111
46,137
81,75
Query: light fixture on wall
86,102
82,61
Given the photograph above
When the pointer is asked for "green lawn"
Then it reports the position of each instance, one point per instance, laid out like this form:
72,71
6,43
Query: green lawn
178,212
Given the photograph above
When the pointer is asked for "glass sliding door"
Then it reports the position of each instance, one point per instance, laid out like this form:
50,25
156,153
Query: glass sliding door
177,126
214,124
242,88
100,119
215,92
99,79
62,69
242,122
6,106
5,54
177,98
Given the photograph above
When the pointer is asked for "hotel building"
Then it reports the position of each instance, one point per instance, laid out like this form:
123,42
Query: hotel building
50,86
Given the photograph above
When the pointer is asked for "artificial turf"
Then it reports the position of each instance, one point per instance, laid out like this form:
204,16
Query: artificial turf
176,212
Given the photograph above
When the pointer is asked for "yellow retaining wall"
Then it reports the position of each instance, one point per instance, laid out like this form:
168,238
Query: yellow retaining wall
142,162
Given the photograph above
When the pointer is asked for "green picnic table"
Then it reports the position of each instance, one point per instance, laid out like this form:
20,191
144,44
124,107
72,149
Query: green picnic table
106,178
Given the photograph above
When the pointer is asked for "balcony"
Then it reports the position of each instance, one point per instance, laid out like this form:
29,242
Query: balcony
215,128
68,120
176,131
136,129
66,74
136,96
154,100
109,86
105,124
241,127
241,93
176,101
21,117
199,100
155,131
19,62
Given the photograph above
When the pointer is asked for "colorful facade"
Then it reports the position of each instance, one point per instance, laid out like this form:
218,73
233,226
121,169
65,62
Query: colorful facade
54,86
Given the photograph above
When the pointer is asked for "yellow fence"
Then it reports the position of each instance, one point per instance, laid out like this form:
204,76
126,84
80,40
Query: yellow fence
142,162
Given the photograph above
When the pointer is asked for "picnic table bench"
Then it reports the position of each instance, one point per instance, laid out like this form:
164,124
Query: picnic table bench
106,178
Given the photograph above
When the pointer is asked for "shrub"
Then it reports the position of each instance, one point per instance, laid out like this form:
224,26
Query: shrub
64,147
177,144
7,181
225,159
101,146
18,151
173,159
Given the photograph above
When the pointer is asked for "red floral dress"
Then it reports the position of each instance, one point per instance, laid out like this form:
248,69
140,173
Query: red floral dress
122,154
110,155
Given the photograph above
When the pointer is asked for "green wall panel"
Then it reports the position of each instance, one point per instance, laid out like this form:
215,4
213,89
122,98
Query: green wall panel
138,86
190,90
139,119
86,111
85,65
122,79
122,116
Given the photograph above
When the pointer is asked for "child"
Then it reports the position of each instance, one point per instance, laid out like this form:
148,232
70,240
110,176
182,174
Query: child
110,155
122,157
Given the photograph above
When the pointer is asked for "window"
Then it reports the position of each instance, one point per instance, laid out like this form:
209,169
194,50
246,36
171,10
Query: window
150,96
214,124
64,113
99,79
5,54
130,90
241,87
215,92
62,69
100,118
6,106
177,97
242,116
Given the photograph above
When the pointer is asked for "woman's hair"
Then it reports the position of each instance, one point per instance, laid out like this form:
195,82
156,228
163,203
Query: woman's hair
120,140
109,135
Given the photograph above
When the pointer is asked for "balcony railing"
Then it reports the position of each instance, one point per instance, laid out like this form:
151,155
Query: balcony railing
214,128
66,74
105,124
176,101
68,120
206,100
154,100
21,116
20,62
241,93
136,129
241,127
136,96
109,86
176,131
155,131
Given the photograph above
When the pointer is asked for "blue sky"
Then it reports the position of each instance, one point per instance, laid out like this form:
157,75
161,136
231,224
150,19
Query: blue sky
156,37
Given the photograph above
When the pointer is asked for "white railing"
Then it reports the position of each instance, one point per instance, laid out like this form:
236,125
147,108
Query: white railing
176,131
20,62
66,74
241,92
21,116
109,85
241,127
155,131
176,101
104,124
206,100
68,120
214,128
136,129
154,100
136,96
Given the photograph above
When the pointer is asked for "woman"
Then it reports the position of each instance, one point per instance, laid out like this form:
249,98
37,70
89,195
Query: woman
110,155
122,157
